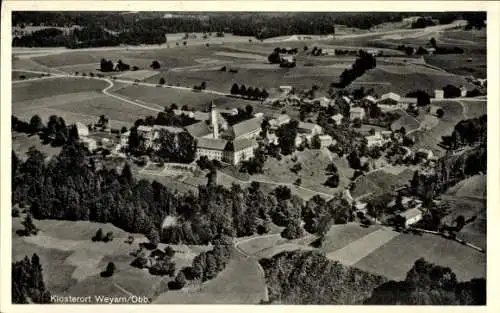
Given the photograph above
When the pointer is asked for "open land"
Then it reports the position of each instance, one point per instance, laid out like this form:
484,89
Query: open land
72,262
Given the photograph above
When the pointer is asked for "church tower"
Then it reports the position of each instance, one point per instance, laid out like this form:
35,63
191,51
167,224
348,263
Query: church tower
215,124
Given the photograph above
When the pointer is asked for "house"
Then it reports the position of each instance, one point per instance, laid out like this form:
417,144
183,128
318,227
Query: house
259,115
463,91
279,120
374,52
412,216
337,118
309,128
375,140
360,206
286,89
356,113
438,94
272,138
390,98
347,100
82,129
431,51
405,103
324,101
326,140
124,139
298,141
370,99
89,143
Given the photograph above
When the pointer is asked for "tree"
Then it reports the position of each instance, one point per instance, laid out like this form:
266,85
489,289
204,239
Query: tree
169,252
243,90
439,113
333,181
235,89
203,85
36,124
180,280
99,236
316,142
154,238
162,81
155,65
110,270
433,42
293,230
29,226
109,237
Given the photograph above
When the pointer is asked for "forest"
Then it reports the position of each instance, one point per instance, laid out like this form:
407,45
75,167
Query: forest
27,281
114,28
308,277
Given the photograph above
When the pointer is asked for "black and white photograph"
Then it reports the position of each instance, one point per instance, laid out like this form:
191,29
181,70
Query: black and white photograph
247,157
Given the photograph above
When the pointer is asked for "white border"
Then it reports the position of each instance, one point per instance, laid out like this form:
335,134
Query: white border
492,7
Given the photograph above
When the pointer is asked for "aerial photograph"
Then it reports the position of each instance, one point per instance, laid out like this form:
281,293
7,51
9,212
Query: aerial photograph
209,157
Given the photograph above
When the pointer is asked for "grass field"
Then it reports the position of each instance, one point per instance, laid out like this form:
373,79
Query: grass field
30,90
16,75
83,107
396,257
380,181
475,108
405,81
429,139
342,235
241,282
313,174
460,64
72,262
21,143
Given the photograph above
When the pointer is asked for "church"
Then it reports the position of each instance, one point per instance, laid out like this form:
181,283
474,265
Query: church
233,145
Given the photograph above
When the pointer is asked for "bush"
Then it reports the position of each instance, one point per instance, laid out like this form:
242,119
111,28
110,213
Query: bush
99,236
109,237
110,270
439,113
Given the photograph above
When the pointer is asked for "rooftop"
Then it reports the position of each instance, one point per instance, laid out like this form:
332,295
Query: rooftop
411,213
211,144
357,110
246,127
199,129
239,144
309,126
391,95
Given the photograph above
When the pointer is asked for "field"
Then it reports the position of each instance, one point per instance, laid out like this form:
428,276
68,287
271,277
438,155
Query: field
380,181
396,257
21,143
241,282
72,262
84,106
30,90
406,79
475,108
312,174
461,64
429,139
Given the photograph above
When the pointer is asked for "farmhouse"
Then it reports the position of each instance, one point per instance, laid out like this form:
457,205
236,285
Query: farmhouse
124,139
407,102
463,91
390,98
375,140
309,128
438,94
370,99
279,120
326,140
337,118
412,216
145,132
356,113
347,100
89,143
82,129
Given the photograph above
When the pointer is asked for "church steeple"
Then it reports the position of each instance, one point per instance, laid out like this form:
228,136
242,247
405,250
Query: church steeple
215,124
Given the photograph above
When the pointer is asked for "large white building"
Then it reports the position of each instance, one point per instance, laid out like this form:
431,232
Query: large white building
238,142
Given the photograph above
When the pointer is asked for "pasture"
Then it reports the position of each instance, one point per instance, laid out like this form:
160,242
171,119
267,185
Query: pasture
313,173
241,282
380,181
83,107
31,90
475,108
460,64
72,263
396,257
405,80
21,143
430,139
